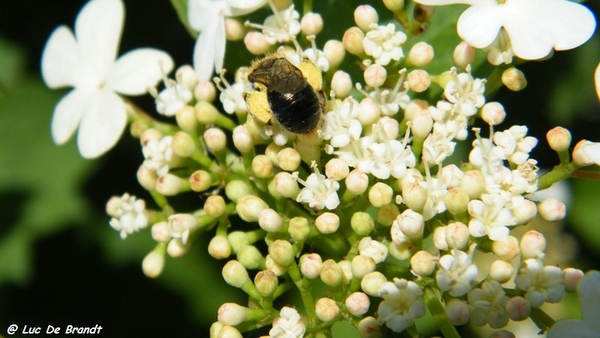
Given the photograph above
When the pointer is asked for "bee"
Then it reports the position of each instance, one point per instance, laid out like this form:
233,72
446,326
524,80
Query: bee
285,94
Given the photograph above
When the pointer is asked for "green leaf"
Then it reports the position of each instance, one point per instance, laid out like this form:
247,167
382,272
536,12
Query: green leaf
583,214
181,9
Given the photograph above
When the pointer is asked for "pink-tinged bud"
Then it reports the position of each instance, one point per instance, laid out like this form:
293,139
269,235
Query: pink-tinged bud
353,38
200,180
336,169
219,247
311,23
552,210
524,211
341,84
231,314
327,223
170,185
249,206
153,263
262,166
358,303
380,194
518,308
216,140
458,312
464,55
493,113
533,245
235,274
334,53
372,282
234,30
559,139
514,79
206,113
235,189
331,273
375,75
256,43
242,140
288,159
266,283
418,80
571,278
186,119
586,153
326,309
285,185
420,54
364,16
507,248
369,328
299,229
422,263
205,91
501,271
311,265
357,182
160,232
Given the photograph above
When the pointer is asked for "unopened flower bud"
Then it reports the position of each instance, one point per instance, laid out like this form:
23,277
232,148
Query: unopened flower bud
153,263
331,273
372,282
206,113
439,238
389,126
362,223
414,196
456,200
420,54
235,189
586,153
370,111
186,76
150,134
559,139
242,140
341,84
394,5
418,80
266,283
514,79
249,256
249,207
334,53
277,269
552,209
422,263
256,43
353,38
336,169
380,194
160,232
311,23
214,206
176,248
326,309
518,308
204,91
464,55
493,113
358,303
362,265
219,247
200,180
364,16
235,274
216,140
169,185
234,30
507,248
473,183
368,328
411,223
458,311
374,249
285,185
375,75
183,144
415,107
422,123
456,235
288,159
271,151
231,314
311,265
282,252
270,221
533,245
186,119
327,223
501,271
228,331
146,178
571,278
357,182
262,166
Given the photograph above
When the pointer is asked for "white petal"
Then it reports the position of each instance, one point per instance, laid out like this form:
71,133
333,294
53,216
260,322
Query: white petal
445,2
98,29
572,328
58,58
479,25
137,70
202,12
210,49
589,297
102,124
241,7
67,115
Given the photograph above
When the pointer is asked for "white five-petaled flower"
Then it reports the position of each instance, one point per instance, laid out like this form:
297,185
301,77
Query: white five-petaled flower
341,124
589,302
159,155
289,324
128,213
86,61
489,305
208,17
490,216
457,273
535,27
319,192
401,305
541,283
465,92
383,43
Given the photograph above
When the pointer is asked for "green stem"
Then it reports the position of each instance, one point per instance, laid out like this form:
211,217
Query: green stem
558,173
307,298
439,314
541,319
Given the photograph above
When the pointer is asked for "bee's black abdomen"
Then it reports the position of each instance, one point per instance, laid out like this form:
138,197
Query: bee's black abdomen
297,112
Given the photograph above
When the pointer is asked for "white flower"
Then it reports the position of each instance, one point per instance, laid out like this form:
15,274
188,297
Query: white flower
500,51
208,17
173,98
390,101
586,153
158,155
383,43
541,283
341,124
465,92
515,144
319,192
400,306
489,216
289,324
457,273
181,226
589,302
280,27
86,61
374,249
534,26
489,305
128,213
232,95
